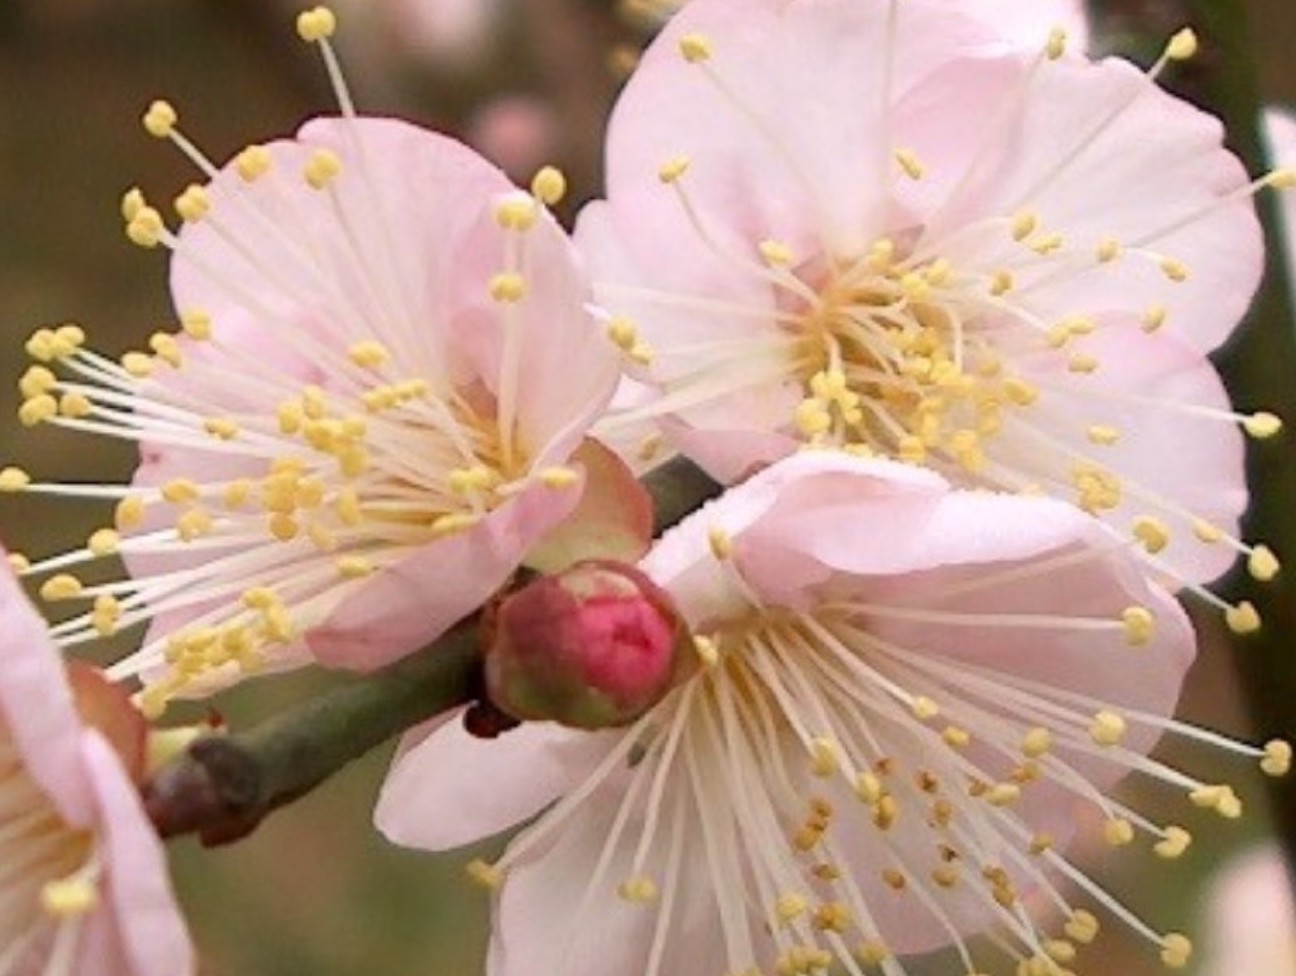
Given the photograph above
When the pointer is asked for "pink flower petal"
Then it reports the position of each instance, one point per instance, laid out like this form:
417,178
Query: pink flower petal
447,788
410,604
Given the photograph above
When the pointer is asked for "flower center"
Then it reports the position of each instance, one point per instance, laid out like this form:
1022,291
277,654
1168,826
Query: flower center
895,359
47,868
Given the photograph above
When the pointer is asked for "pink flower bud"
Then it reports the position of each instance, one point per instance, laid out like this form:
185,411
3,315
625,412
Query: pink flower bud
593,647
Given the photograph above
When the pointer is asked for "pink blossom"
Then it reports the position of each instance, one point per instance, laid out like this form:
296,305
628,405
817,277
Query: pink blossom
870,224
83,882
365,423
909,697
1252,917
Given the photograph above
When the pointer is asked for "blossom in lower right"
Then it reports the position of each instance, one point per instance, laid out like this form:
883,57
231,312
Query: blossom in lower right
83,884
908,698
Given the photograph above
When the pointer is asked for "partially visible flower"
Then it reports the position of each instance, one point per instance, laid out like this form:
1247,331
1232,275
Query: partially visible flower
384,366
518,132
457,31
867,224
909,698
83,883
1252,917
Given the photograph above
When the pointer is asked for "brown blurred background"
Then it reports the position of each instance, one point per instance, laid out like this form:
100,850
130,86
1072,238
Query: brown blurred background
315,892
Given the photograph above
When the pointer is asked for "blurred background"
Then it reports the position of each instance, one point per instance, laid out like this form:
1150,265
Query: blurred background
315,892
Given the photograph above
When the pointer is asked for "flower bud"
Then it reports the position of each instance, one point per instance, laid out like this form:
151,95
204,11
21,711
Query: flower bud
592,647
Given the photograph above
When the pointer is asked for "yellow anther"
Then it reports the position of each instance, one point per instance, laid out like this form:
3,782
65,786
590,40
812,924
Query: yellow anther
253,163
355,567
453,523
486,875
911,449
945,876
868,788
37,410
832,916
955,737
790,906
1219,798
37,380
14,479
720,542
322,168
166,348
707,650
695,48
872,952
548,184
160,119
64,586
132,202
196,324
1047,244
1152,532
316,24
1118,832
67,339
1107,729
18,562
776,253
1021,392
1182,46
1174,269
1056,45
1139,625
1173,844
1103,435
1040,843
924,708
129,512
1023,224
368,353
909,163
1277,758
222,428
1262,564
1176,950
1283,178
1154,318
893,879
193,204
1037,742
145,229
104,542
673,169
1081,927
137,364
40,345
825,759
1058,335
283,526
1003,794
1242,618
180,491
507,286
1262,425
193,524
638,891
559,477
812,417
1059,950
69,897
516,211
1108,250
1083,363
1001,282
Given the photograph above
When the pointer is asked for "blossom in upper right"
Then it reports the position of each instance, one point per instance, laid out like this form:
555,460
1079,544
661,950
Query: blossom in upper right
878,226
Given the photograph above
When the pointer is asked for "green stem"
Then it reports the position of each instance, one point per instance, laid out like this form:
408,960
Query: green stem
223,786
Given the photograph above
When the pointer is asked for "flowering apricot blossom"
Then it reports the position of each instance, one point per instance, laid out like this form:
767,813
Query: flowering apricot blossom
872,225
384,367
909,697
83,883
